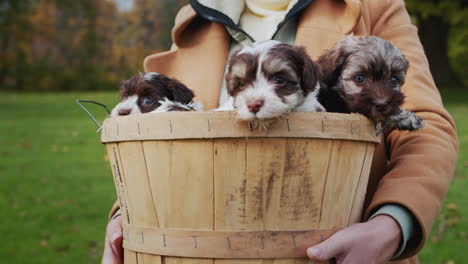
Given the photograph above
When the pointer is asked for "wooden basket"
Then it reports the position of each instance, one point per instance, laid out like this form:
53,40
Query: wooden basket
197,187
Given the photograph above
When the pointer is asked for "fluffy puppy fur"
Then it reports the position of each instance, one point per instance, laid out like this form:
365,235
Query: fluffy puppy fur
265,80
152,93
364,75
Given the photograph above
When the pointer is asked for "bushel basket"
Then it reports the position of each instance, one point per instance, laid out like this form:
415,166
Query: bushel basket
199,187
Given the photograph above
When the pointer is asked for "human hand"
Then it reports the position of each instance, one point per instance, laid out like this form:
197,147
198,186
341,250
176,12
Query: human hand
113,253
372,242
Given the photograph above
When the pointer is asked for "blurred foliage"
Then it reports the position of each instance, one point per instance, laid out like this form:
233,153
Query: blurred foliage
50,45
454,14
450,10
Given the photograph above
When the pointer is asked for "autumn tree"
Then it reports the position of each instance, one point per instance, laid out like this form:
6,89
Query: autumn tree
148,30
14,24
79,45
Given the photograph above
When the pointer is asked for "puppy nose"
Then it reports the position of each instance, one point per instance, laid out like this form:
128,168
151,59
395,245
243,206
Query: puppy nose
381,106
124,112
255,106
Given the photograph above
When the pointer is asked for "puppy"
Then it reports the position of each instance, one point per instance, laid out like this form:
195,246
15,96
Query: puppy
265,80
364,75
152,93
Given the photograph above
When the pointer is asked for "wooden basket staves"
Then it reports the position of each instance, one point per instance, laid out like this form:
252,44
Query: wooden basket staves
198,187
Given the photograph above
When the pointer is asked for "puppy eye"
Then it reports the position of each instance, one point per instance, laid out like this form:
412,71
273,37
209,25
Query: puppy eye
278,79
359,78
394,81
148,101
241,83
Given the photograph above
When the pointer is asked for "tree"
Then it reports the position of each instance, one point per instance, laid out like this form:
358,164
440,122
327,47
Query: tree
442,30
14,23
79,45
149,28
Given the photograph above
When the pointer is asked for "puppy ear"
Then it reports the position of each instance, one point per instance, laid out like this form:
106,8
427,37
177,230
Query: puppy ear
311,74
331,63
310,71
129,86
229,82
228,77
180,92
406,65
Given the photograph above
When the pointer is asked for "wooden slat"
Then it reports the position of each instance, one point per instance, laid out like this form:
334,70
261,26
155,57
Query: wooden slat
263,172
159,161
136,179
223,244
344,169
264,175
230,188
359,196
301,187
119,179
130,257
303,183
140,199
279,189
187,168
230,180
198,125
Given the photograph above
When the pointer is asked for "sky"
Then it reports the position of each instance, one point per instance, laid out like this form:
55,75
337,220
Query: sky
124,5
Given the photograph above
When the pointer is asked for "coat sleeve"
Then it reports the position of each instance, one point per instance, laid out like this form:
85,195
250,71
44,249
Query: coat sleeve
421,163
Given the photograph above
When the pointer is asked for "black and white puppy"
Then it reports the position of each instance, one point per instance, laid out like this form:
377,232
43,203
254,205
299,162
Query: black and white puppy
266,80
152,93
364,75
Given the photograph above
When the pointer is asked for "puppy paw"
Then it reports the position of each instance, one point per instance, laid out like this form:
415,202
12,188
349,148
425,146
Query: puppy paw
406,120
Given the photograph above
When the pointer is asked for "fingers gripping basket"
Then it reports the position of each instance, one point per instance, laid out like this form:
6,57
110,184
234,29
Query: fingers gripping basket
198,187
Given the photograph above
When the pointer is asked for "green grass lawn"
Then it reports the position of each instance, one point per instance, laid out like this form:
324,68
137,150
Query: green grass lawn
449,237
56,186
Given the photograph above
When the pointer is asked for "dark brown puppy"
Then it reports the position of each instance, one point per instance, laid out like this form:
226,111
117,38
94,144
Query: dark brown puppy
154,92
364,75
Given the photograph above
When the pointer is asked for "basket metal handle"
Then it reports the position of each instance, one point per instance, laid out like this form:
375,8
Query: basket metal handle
79,101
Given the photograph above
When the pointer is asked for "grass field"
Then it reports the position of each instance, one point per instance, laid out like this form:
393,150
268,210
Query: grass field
56,186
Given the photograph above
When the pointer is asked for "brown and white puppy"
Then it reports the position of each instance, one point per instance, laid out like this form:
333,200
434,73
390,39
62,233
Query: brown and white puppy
364,75
152,93
265,80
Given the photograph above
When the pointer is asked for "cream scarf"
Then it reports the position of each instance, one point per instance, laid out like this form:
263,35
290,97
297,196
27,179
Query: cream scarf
259,18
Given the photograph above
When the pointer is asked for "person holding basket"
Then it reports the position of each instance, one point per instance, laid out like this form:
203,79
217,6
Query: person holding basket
411,171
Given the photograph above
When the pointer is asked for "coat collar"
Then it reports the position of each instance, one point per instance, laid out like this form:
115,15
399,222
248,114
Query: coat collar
349,12
232,9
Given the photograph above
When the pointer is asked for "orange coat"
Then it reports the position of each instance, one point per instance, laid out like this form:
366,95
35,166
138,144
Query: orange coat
413,169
